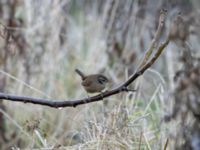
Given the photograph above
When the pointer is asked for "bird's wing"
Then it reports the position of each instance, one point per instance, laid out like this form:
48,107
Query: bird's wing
86,82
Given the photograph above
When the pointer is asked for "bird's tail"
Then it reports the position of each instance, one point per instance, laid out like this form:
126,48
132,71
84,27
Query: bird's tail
80,73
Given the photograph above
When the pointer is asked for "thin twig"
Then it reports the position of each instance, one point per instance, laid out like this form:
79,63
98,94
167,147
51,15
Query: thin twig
155,39
140,141
166,144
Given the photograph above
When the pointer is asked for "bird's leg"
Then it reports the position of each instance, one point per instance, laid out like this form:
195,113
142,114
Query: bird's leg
101,94
87,95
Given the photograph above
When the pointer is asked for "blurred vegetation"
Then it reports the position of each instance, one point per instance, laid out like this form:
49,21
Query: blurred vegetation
42,42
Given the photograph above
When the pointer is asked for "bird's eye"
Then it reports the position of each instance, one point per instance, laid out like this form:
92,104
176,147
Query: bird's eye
102,79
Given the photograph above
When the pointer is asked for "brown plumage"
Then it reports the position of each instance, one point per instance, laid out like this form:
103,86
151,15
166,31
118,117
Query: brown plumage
93,83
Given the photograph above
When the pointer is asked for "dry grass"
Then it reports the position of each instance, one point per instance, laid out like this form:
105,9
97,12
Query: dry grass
126,121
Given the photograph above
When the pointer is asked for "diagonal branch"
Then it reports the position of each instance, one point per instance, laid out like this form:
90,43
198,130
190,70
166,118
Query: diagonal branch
73,103
157,35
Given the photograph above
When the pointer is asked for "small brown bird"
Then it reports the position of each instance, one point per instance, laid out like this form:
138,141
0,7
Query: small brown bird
94,83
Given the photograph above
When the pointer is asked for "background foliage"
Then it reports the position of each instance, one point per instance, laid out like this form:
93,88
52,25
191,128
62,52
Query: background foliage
52,38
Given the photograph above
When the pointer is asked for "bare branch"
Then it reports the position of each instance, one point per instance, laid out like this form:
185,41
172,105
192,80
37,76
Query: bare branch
122,88
166,144
155,39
